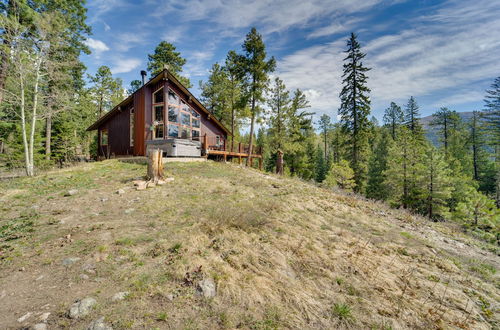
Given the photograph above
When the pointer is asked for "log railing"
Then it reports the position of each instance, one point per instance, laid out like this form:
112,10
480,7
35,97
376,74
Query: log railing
216,143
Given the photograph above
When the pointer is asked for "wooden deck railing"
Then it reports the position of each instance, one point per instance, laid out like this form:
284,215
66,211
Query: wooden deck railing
219,144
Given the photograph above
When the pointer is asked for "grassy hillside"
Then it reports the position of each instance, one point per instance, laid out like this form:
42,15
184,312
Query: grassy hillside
282,254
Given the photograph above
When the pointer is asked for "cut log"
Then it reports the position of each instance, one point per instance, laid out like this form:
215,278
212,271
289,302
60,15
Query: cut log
155,166
279,163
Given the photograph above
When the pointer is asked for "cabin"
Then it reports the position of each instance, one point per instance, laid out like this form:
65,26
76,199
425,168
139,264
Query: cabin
163,114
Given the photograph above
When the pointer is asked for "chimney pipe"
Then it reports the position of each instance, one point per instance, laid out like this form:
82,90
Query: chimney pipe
143,74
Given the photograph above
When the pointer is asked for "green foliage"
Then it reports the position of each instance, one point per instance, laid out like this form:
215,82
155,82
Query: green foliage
165,54
342,312
393,118
340,175
134,85
376,187
106,90
412,117
355,108
321,169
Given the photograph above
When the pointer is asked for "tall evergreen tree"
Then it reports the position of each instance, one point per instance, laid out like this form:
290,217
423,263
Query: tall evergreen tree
355,108
134,85
255,70
325,127
412,116
105,89
393,118
165,54
214,93
437,185
321,169
447,121
376,186
234,92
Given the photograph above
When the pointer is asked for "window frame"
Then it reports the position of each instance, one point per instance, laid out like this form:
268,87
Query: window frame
161,123
104,132
183,108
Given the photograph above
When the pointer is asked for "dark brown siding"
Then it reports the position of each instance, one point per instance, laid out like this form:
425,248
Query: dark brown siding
139,143
119,133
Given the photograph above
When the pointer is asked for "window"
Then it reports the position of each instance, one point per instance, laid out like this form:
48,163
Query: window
132,127
158,96
195,123
185,133
173,114
158,113
184,106
173,131
159,132
104,137
195,114
185,119
196,134
173,98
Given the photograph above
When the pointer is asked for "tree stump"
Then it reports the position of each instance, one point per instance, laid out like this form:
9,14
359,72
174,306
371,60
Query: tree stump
155,166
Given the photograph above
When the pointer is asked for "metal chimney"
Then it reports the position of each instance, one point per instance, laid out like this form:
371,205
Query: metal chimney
143,74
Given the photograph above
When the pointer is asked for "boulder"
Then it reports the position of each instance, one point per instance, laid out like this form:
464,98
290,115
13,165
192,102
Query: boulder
82,307
24,317
206,288
120,191
99,325
40,326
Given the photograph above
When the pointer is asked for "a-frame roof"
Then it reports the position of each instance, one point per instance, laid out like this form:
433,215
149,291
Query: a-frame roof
165,74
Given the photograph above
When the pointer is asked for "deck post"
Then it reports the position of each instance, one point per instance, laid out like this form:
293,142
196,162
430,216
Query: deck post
239,160
239,147
260,163
205,144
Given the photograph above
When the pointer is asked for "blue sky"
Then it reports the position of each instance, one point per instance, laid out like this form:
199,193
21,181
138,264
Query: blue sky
445,53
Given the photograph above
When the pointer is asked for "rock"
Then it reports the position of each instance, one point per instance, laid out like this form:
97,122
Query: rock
120,191
168,179
40,326
71,192
151,184
89,268
24,317
44,317
81,307
206,288
120,296
104,199
99,325
70,261
141,185
170,297
128,211
84,276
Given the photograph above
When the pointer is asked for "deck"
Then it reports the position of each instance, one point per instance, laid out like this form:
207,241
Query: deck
221,148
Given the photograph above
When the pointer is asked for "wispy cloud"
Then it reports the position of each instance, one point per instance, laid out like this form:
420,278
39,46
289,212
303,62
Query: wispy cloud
124,65
447,52
97,46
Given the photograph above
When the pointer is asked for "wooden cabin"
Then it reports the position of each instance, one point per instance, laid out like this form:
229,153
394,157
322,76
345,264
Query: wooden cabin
159,114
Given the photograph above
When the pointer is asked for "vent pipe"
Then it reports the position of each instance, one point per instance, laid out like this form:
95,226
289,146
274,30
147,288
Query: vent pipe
143,75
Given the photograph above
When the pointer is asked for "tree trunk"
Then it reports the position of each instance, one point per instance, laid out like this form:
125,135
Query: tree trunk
250,144
155,165
48,136
279,163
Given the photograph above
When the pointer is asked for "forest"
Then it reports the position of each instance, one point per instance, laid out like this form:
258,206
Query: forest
47,100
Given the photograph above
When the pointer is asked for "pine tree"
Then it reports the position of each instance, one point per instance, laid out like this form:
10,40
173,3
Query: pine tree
404,170
412,116
376,186
165,54
338,142
492,119
393,118
355,108
234,92
134,85
447,121
321,169
340,175
214,94
106,90
437,180
325,127
255,70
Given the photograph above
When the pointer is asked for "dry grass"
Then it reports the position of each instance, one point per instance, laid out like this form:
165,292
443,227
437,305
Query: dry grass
283,253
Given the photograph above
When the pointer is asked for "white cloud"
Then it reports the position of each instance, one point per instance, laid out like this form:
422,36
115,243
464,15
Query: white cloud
128,40
334,28
272,15
97,46
450,52
125,65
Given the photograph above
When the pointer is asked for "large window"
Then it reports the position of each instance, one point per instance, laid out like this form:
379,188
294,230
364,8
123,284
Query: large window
158,114
183,121
132,127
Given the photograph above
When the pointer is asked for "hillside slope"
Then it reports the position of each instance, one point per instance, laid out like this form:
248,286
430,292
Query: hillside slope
282,254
